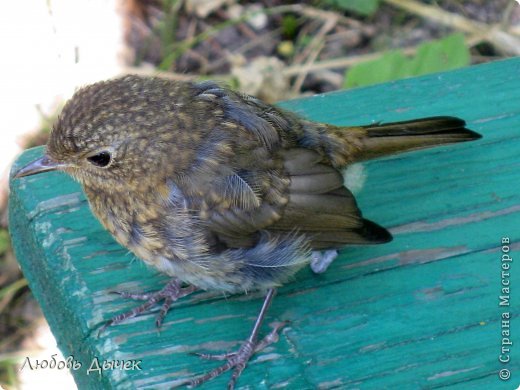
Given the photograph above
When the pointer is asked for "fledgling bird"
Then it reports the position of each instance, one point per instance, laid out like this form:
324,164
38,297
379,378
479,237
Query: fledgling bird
219,190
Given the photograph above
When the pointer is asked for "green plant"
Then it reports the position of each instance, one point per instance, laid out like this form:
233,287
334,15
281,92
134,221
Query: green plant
4,241
361,7
290,25
435,56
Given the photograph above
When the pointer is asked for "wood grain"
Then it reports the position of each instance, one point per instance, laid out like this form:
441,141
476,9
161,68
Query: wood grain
420,312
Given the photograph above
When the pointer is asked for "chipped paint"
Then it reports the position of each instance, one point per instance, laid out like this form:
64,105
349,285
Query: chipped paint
68,201
449,373
217,318
415,256
421,226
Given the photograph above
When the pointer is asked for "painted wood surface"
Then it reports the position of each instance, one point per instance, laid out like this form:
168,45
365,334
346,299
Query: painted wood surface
420,312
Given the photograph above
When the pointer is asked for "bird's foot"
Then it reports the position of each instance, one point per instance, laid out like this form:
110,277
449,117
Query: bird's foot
236,360
172,291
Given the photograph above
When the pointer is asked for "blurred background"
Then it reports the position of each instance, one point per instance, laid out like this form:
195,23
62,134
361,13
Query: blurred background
276,50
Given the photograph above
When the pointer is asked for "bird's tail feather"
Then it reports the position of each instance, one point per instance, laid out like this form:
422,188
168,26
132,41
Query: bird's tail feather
397,137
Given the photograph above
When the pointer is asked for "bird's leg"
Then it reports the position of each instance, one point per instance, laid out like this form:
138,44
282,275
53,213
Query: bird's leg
238,360
172,291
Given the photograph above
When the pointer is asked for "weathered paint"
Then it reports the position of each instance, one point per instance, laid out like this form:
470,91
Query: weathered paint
419,312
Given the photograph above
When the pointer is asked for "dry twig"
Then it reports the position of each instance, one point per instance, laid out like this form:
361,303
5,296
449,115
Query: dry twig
506,41
315,48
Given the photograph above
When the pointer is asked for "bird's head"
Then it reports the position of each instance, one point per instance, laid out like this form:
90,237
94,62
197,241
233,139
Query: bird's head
123,131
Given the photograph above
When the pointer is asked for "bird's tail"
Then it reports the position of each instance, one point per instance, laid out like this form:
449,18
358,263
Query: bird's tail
385,139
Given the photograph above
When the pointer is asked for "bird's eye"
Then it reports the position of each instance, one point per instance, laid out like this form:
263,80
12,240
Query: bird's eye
102,159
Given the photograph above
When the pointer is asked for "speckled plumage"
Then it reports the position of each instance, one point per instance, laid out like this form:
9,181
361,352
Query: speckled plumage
217,188
220,190
195,175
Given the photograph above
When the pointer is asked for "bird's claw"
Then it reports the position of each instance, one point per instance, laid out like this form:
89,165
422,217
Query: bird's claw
169,294
236,360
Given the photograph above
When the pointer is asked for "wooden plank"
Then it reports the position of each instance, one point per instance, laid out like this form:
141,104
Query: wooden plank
420,312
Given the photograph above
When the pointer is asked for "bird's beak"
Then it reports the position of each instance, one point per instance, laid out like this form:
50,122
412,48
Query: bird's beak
43,164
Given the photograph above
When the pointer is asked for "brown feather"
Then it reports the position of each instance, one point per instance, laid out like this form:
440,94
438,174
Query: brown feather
321,207
397,137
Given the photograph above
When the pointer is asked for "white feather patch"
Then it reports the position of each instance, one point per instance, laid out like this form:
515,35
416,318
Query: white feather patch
354,177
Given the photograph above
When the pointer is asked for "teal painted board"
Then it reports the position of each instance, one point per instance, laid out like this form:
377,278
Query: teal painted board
420,312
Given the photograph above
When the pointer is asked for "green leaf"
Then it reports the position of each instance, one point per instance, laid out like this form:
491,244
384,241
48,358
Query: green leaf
435,56
362,7
4,241
289,26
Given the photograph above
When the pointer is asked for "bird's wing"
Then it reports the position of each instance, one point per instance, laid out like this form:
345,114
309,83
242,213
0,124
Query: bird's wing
321,206
251,175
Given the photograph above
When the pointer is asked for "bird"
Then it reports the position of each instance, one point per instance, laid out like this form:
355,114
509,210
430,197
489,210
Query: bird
220,190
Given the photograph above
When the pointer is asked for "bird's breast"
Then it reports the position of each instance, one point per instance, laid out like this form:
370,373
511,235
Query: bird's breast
159,232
